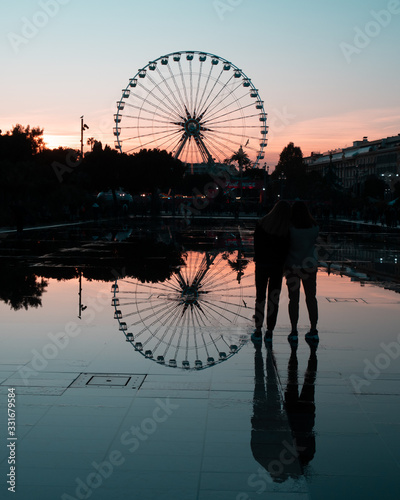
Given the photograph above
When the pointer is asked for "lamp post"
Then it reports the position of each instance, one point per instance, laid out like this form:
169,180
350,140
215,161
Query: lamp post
83,127
282,178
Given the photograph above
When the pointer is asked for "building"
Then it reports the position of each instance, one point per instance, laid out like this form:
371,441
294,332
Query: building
353,165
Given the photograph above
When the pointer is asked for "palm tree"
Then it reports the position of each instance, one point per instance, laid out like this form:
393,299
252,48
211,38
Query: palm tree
243,160
90,142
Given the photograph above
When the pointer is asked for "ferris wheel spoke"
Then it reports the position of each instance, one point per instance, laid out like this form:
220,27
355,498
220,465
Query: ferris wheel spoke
168,143
166,96
187,152
227,303
234,126
146,119
210,93
213,313
212,339
155,142
215,119
172,109
205,344
156,310
177,103
195,342
230,120
241,287
222,89
198,89
208,106
216,278
140,136
215,150
225,279
218,310
228,149
143,109
182,110
205,89
180,335
223,109
155,320
172,318
222,103
186,101
191,109
164,335
232,145
165,285
148,99
199,319
150,112
226,135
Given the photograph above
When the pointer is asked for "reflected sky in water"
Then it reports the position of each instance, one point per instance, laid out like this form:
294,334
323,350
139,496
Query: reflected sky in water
262,421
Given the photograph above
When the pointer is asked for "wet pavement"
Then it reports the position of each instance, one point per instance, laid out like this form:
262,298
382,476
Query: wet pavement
103,415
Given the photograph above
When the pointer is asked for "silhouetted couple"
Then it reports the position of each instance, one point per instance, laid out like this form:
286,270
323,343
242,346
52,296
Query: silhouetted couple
284,244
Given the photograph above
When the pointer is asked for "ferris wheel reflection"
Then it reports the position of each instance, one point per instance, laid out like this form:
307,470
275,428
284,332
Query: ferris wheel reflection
197,318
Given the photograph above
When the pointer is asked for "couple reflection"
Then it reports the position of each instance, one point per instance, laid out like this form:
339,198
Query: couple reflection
282,436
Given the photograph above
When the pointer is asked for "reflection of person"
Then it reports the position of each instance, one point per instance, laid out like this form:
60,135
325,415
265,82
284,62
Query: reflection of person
271,438
271,246
302,267
300,409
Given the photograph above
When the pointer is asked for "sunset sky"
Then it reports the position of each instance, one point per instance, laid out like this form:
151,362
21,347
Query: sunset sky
327,70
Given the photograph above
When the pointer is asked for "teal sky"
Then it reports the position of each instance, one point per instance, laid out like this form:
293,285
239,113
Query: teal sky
322,87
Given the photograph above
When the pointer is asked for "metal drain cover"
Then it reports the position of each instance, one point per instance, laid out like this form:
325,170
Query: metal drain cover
101,380
110,380
339,299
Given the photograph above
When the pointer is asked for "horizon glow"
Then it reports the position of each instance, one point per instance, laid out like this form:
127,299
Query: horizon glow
325,71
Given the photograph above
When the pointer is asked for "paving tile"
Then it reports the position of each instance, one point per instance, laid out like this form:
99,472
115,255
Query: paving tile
384,487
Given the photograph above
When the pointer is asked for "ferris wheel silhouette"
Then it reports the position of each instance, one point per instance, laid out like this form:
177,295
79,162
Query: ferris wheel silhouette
197,318
199,107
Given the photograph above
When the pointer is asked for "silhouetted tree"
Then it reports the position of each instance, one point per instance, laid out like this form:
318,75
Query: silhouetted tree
290,163
21,143
20,288
290,174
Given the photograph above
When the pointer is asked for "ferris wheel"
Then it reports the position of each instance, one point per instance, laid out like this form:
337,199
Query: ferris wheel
199,107
199,317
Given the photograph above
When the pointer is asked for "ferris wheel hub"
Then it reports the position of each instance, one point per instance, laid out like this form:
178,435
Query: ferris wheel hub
192,126
190,294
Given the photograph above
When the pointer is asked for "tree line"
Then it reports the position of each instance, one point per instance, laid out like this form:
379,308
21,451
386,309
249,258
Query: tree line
44,185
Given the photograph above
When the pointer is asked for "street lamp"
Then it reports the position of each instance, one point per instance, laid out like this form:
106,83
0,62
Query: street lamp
282,178
83,127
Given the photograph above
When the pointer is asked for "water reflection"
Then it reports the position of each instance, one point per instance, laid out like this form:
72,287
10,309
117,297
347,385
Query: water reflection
193,319
282,436
20,288
300,407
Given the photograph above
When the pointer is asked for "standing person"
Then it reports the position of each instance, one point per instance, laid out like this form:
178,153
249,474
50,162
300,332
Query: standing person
302,267
271,246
